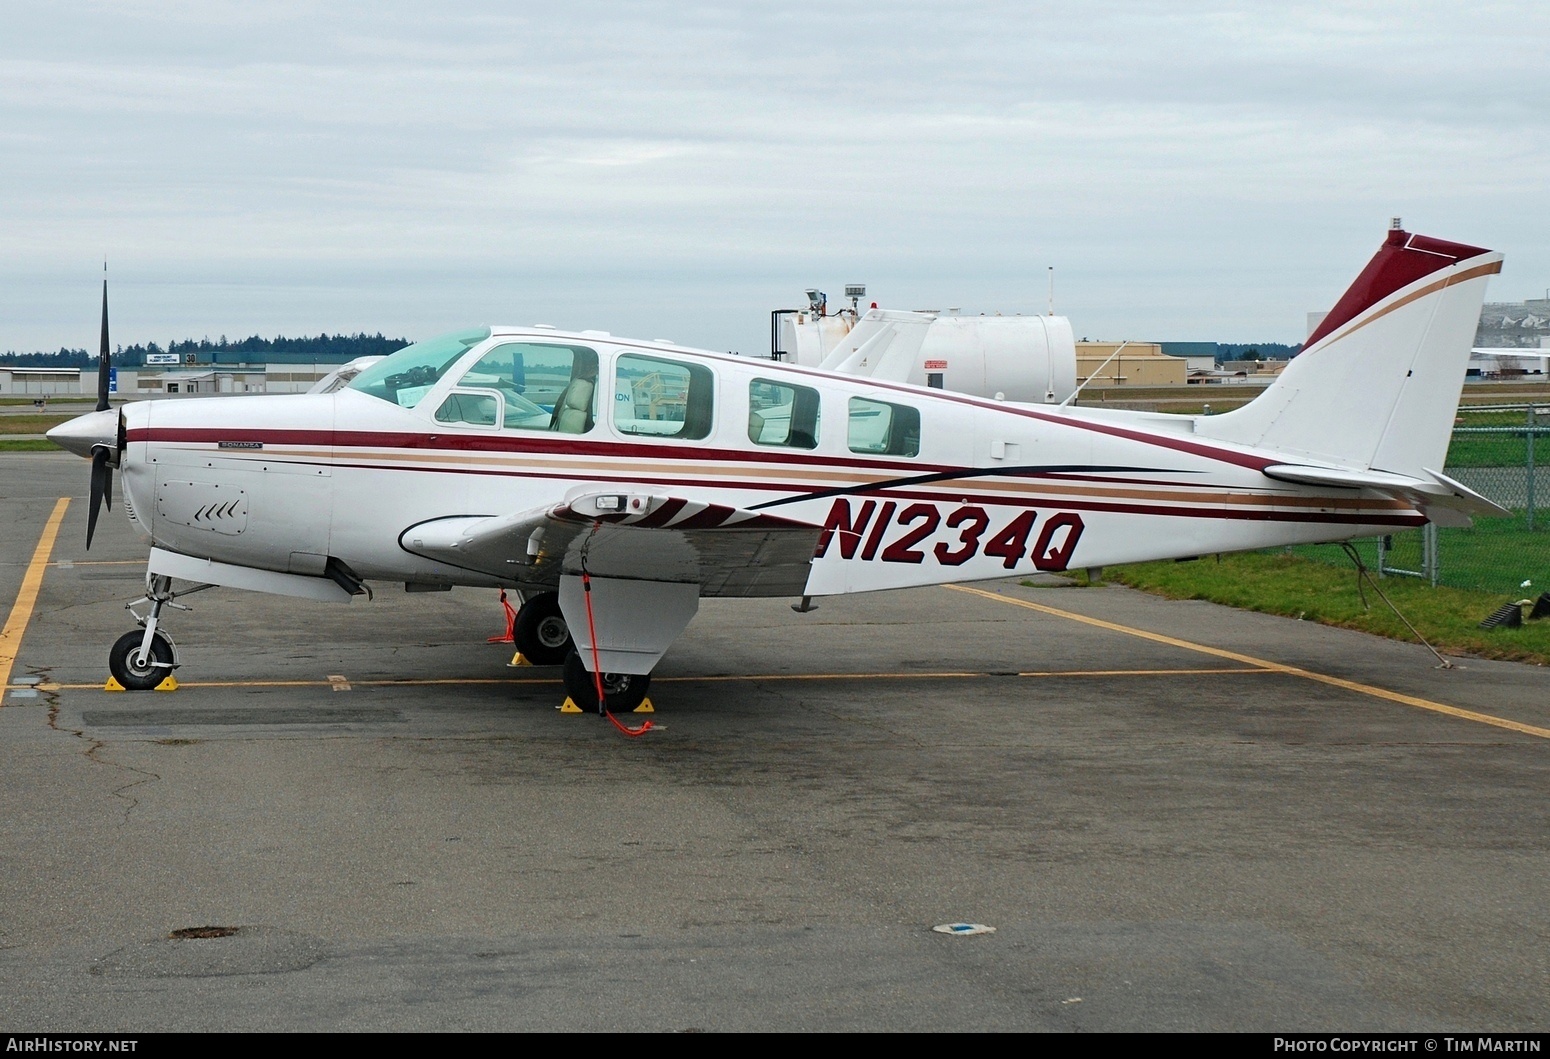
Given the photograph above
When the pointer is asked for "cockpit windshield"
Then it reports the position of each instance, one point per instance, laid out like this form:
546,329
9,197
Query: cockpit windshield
406,376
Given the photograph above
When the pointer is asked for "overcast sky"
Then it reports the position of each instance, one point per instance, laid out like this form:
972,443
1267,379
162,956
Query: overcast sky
1191,170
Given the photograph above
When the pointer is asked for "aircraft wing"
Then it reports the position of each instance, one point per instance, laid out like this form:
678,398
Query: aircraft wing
619,533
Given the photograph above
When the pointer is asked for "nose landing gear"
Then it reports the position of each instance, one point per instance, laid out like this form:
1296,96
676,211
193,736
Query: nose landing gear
142,659
138,666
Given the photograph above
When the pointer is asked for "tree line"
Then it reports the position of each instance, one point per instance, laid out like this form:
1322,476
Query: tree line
340,348
324,347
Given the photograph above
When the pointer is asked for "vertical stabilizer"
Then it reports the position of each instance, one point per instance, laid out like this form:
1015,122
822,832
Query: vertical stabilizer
883,345
1377,384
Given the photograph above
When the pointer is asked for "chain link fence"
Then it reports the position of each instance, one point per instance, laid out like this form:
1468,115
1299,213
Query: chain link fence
1498,451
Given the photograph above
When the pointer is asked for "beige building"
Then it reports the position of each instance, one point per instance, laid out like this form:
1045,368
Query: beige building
39,382
157,381
1137,364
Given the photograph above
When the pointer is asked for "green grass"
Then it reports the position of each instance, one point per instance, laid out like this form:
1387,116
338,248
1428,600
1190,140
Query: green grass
1497,450
1494,555
1278,583
28,445
26,424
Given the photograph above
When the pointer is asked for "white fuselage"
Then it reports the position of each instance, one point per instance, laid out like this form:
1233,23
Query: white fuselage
994,489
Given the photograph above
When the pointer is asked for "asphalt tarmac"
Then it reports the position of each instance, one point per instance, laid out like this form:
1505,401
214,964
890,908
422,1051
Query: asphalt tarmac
1176,816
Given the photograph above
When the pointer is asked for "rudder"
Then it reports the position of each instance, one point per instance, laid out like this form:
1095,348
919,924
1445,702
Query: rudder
1377,384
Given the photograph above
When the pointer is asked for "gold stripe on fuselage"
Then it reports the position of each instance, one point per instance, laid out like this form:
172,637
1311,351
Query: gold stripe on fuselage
708,474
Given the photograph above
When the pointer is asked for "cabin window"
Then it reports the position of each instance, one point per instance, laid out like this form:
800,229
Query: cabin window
662,398
472,408
542,386
782,414
878,428
406,376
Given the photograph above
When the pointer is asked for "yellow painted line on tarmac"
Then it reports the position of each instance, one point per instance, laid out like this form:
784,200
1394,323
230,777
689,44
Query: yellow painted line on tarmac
27,598
1265,664
1142,672
416,682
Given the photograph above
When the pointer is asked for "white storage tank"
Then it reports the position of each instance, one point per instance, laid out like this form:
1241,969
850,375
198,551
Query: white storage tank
1021,358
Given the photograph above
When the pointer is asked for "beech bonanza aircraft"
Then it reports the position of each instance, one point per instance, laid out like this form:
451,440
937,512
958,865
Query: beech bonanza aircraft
613,483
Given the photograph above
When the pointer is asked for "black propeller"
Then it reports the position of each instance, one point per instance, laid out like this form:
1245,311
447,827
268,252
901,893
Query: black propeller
102,458
104,363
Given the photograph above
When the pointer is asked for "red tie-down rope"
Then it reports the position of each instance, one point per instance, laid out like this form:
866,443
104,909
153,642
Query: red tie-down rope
597,666
510,635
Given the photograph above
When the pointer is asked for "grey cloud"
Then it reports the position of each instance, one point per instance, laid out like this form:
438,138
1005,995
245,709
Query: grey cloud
305,166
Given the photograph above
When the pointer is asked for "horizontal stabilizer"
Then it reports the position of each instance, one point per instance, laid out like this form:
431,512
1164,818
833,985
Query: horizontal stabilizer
1436,490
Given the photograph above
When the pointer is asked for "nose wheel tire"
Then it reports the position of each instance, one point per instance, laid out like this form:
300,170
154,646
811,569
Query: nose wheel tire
623,691
123,661
540,631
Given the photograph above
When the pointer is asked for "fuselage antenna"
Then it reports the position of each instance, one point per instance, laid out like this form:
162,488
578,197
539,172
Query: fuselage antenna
1094,375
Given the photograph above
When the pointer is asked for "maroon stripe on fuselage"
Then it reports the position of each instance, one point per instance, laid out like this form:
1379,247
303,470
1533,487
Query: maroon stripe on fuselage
537,445
952,497
346,439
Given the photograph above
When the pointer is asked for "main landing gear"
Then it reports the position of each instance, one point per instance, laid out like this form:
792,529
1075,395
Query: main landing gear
540,631
142,659
544,639
622,692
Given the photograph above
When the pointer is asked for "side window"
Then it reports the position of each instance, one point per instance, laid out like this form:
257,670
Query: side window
883,429
662,398
542,387
475,408
781,414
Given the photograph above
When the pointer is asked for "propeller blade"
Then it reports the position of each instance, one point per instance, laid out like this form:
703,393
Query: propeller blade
104,363
101,487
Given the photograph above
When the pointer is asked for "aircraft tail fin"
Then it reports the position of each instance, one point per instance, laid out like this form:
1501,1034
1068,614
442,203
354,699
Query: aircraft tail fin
1377,384
882,345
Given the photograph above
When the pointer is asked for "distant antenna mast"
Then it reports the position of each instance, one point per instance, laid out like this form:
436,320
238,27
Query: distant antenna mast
1052,290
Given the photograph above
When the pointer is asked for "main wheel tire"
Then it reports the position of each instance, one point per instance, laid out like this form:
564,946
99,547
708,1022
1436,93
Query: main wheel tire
623,691
541,633
135,677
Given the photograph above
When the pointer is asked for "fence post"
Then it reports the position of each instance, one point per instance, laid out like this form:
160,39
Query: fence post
1429,563
1531,432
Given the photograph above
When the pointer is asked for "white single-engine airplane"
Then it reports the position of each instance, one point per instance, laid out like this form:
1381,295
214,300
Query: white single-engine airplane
613,483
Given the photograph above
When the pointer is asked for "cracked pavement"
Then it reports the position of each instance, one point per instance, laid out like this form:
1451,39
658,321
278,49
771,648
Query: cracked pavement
1189,849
